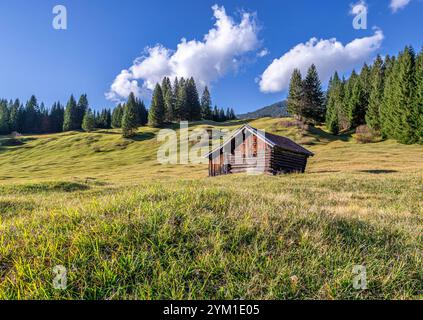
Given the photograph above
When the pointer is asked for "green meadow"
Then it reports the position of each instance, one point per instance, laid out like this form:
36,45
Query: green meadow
126,227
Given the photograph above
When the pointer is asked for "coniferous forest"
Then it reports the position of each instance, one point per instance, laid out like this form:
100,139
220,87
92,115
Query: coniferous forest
170,103
384,99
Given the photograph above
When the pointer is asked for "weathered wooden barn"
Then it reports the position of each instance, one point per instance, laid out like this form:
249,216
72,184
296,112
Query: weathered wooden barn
254,151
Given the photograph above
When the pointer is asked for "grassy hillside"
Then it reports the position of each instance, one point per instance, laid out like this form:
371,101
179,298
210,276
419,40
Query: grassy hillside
127,227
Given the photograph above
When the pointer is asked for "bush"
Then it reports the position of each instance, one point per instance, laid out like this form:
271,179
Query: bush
295,123
364,134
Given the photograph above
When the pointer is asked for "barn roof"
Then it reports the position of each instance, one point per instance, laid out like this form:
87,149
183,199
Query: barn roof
271,139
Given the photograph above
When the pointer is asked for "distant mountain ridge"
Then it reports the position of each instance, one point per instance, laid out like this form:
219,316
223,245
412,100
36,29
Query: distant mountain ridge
275,110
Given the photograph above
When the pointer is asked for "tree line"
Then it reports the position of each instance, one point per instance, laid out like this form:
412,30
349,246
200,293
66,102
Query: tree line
386,96
170,103
36,118
181,101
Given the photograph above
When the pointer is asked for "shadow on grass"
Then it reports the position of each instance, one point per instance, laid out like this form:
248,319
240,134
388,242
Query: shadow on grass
358,234
105,131
143,136
378,171
325,171
320,134
58,186
9,144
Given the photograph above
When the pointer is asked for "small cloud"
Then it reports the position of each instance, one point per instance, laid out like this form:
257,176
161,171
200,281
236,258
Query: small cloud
398,4
263,53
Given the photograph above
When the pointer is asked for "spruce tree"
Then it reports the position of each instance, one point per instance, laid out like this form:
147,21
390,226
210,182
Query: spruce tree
156,115
117,116
31,120
295,101
333,95
387,111
418,107
313,97
56,117
206,105
88,123
44,119
129,118
357,104
181,107
4,118
70,120
193,101
376,95
405,87
168,99
142,116
81,108
366,85
15,118
175,91
345,112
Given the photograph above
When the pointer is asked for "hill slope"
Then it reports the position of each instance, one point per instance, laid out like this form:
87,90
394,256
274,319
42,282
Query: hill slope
126,227
275,110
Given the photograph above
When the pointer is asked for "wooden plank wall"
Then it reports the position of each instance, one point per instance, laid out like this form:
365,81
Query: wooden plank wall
287,162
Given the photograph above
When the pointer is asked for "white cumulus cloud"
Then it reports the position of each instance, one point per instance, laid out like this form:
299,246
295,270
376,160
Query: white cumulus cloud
327,55
398,4
263,53
221,50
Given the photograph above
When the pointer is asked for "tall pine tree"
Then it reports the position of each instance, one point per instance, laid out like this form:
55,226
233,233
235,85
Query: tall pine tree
56,117
4,118
419,98
386,113
313,109
181,107
405,87
376,95
81,107
129,119
335,96
156,115
71,116
88,123
357,104
117,116
15,116
32,119
295,101
206,105
193,101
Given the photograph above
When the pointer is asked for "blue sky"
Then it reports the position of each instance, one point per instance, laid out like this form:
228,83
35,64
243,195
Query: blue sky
105,37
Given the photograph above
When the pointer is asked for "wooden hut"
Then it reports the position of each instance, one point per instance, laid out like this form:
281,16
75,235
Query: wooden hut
251,150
